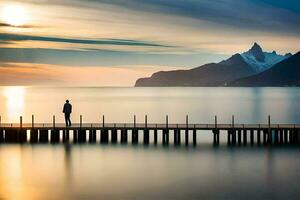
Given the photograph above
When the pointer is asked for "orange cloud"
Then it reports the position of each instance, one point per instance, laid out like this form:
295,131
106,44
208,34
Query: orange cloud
41,74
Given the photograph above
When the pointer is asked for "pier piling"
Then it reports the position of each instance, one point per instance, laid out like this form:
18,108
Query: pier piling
114,135
155,136
194,137
124,136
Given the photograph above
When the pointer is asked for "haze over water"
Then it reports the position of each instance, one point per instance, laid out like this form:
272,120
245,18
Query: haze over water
249,105
137,172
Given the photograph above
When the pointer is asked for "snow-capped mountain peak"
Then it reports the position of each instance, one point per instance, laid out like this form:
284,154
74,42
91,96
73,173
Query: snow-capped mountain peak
260,60
257,52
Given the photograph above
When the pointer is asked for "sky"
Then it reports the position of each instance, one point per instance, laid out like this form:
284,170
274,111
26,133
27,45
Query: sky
115,42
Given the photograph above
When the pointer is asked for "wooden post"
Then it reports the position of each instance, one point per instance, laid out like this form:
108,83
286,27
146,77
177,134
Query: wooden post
233,132
66,135
176,137
216,122
265,136
54,137
80,121
281,139
229,137
81,133
239,137
114,135
215,137
295,136
21,133
155,135
218,136
258,132
43,136
165,136
269,122
21,122
53,121
187,121
187,131
102,121
92,135
167,121
146,136
251,136
134,134
134,121
104,136
124,136
269,130
75,136
245,136
32,121
276,137
104,132
33,132
194,135
146,132
216,132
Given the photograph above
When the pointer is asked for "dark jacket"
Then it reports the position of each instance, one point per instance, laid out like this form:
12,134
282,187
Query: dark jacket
67,108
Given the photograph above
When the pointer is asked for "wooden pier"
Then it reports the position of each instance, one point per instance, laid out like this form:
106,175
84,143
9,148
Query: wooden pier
104,133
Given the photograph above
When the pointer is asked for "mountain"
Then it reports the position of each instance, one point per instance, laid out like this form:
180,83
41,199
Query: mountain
261,61
285,73
213,74
216,74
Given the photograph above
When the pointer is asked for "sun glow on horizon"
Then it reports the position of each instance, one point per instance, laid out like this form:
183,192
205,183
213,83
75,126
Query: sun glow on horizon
15,15
14,96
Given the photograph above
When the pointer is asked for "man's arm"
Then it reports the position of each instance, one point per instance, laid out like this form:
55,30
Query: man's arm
70,108
64,109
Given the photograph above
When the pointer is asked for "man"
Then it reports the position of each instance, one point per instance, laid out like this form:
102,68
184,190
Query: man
67,110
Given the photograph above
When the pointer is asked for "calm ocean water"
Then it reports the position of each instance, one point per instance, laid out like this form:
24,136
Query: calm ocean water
127,172
249,105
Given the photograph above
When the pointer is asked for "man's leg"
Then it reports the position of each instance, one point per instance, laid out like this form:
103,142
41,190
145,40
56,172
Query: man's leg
69,119
66,119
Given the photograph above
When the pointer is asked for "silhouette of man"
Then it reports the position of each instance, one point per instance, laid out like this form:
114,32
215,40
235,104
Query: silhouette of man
67,110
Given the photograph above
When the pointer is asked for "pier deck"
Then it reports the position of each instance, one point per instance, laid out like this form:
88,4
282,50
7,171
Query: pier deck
239,134
152,126
267,134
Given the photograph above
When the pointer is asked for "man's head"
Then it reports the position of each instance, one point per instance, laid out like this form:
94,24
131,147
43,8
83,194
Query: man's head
67,101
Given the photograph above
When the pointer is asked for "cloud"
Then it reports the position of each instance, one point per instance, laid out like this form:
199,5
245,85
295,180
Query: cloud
43,74
254,15
266,15
103,57
29,74
23,26
6,37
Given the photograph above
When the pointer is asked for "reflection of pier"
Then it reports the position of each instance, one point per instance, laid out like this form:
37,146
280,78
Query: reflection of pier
237,134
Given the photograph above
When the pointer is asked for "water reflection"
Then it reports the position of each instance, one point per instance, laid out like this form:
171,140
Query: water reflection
14,97
122,172
68,163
